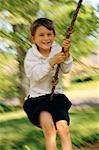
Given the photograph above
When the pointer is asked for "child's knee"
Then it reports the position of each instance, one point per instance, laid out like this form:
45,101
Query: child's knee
49,129
62,128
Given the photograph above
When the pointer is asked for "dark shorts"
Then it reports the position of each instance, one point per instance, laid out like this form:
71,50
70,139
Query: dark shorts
58,108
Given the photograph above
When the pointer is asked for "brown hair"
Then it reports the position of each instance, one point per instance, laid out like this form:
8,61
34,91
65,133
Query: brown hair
42,22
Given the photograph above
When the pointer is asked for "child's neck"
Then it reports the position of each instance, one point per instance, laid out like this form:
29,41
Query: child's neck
44,52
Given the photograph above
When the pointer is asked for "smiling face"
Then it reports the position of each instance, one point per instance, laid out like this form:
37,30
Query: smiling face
44,38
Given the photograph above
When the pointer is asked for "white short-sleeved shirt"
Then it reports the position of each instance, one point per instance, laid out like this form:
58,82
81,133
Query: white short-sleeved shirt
40,73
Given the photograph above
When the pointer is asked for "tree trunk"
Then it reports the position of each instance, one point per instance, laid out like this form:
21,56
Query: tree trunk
21,73
23,82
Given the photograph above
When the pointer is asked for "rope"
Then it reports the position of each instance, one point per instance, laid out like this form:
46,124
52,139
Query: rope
68,33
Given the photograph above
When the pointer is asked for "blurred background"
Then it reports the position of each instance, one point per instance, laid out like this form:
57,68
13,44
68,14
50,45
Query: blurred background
81,85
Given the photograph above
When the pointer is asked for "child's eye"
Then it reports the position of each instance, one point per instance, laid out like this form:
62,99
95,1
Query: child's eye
41,34
49,34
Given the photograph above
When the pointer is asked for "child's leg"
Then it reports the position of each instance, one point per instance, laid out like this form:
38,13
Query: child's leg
49,130
63,131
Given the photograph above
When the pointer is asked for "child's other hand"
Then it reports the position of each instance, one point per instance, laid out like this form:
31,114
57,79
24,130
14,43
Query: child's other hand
57,59
66,45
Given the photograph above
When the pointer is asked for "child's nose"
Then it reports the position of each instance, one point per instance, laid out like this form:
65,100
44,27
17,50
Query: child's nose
46,36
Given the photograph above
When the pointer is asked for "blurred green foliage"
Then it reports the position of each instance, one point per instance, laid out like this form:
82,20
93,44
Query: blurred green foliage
85,78
8,75
5,108
20,14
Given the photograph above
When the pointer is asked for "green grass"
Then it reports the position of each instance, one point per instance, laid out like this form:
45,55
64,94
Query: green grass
85,125
17,133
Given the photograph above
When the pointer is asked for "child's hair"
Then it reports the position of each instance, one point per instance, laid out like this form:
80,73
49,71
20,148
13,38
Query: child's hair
42,22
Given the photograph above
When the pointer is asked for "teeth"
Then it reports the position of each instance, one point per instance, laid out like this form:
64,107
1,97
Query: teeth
45,43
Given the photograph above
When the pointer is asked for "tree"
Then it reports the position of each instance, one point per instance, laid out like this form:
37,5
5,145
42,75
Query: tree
19,17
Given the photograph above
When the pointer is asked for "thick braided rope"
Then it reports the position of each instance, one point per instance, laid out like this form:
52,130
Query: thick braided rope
68,33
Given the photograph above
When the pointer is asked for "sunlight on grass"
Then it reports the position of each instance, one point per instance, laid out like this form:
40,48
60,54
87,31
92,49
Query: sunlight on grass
27,147
12,115
87,89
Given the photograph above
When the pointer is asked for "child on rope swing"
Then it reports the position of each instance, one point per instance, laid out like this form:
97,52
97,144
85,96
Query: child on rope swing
40,65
